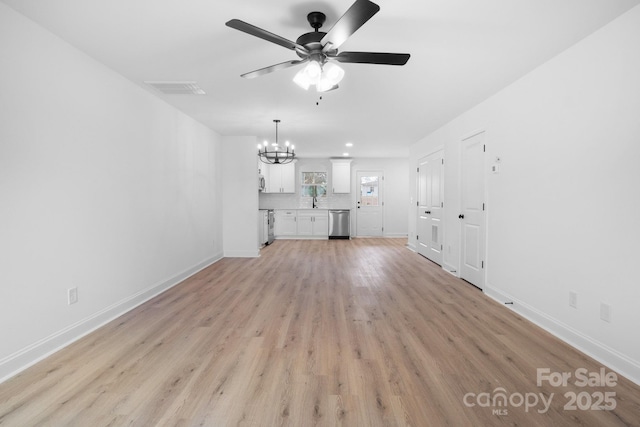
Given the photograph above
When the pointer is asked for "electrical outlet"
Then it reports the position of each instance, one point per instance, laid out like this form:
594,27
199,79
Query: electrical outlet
573,299
605,312
72,295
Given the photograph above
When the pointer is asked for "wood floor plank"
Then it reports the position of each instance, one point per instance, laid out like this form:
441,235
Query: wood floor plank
358,332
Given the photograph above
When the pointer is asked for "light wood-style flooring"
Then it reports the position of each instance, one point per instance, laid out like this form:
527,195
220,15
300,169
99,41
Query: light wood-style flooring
353,333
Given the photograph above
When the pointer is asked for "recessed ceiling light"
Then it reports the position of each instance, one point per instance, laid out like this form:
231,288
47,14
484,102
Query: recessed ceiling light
345,154
349,144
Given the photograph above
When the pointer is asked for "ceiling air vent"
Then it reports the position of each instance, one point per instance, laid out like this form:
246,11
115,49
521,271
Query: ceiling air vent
177,88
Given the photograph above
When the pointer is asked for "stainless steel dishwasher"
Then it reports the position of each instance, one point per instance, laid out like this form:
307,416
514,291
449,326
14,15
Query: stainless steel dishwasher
339,224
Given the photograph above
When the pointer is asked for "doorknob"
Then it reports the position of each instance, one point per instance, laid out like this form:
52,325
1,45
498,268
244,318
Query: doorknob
461,216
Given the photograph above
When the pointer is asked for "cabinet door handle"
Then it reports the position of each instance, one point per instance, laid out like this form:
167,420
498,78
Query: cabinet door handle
427,212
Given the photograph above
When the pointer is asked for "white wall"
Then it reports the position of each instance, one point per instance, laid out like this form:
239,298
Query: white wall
103,187
240,196
562,213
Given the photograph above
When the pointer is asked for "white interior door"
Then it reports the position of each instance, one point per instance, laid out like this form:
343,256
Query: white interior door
472,217
369,204
430,204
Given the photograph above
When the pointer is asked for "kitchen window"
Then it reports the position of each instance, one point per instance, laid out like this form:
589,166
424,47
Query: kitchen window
314,184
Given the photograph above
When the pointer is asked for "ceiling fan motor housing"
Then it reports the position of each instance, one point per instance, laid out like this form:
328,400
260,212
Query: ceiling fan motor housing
312,40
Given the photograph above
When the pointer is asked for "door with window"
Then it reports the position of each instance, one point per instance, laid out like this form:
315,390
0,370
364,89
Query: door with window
430,204
472,217
369,204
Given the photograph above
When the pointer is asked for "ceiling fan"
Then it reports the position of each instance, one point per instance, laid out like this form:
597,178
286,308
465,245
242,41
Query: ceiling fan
320,49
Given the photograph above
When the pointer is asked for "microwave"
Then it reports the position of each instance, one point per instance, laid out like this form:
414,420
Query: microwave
261,183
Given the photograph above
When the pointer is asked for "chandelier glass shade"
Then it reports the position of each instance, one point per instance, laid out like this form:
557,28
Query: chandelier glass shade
275,154
324,76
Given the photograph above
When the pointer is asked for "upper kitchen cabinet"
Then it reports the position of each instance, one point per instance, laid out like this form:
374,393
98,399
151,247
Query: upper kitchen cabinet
341,176
280,178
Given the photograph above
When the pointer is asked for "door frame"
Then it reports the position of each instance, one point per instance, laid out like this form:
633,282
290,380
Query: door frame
484,244
381,192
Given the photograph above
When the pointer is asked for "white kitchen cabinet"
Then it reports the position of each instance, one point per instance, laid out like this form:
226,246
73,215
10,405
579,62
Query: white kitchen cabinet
313,223
281,178
341,176
321,225
288,177
305,225
286,224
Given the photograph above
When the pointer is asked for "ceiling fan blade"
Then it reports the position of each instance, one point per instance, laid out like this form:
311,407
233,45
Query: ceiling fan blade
265,35
373,58
272,68
359,13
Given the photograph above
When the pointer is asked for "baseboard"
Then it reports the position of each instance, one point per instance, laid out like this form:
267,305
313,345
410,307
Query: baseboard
451,269
602,353
385,236
32,354
396,235
306,237
242,254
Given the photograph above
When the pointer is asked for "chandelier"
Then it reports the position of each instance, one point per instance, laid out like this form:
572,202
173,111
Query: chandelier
275,154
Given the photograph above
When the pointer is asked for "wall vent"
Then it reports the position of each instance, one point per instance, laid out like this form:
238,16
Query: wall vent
177,88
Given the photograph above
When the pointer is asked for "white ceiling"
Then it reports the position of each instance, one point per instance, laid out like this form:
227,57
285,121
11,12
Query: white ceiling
462,51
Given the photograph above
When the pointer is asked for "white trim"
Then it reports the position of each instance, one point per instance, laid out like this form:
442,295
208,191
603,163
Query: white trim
472,134
451,269
396,235
604,354
242,254
39,350
302,237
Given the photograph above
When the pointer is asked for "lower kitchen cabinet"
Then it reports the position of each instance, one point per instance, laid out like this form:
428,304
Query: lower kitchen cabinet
302,224
286,224
313,223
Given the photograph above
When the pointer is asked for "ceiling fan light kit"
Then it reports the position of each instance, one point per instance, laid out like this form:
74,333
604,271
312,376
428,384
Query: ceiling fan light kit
325,77
320,49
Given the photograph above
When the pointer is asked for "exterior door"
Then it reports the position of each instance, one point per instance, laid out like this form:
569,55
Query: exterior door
369,204
472,217
430,204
